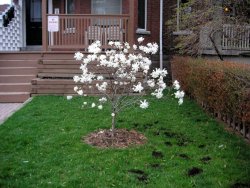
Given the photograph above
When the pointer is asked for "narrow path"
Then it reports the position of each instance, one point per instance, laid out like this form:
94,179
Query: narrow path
7,109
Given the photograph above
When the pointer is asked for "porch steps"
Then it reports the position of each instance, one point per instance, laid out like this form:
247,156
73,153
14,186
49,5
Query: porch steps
56,71
55,74
14,97
15,87
17,69
16,78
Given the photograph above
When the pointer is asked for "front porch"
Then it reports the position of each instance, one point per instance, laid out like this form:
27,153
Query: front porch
76,30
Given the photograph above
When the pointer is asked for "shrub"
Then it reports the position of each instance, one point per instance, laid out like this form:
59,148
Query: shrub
223,87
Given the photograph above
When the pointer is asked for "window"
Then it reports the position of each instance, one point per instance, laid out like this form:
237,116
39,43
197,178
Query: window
106,7
70,7
182,9
36,11
142,14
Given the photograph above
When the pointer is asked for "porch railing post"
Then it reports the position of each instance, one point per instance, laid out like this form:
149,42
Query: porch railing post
131,29
44,26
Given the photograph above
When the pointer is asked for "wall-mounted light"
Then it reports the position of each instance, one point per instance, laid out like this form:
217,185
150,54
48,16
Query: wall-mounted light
226,9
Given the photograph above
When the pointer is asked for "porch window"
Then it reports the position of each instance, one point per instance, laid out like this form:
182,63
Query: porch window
70,7
142,14
106,7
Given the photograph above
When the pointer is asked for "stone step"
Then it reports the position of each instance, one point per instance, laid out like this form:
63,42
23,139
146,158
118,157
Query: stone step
14,97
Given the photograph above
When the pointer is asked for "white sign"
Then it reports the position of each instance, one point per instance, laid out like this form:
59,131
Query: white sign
53,23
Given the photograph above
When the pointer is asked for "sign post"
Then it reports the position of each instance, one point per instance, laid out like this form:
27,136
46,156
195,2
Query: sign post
53,26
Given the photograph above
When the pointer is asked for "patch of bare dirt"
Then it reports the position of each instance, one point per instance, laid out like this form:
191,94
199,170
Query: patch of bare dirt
122,138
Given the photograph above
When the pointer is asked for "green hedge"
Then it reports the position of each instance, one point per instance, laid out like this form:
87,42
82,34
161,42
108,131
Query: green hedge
224,87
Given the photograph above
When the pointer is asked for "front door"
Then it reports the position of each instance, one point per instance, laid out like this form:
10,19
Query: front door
33,22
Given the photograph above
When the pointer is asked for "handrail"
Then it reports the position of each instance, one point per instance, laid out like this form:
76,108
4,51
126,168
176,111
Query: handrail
236,37
90,15
75,33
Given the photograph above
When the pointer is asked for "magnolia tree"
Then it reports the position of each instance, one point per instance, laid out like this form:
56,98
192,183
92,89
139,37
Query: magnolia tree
123,76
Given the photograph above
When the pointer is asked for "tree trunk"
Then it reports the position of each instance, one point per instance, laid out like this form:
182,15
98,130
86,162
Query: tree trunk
216,49
113,124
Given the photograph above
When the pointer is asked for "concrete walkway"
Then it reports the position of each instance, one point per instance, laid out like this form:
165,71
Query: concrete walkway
7,109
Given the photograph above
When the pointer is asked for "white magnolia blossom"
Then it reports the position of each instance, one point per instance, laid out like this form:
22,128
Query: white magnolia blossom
100,107
85,103
179,94
158,72
111,43
102,87
176,85
80,92
138,87
144,104
100,77
76,79
103,100
151,83
140,40
76,88
69,97
135,47
180,101
93,105
135,67
78,56
95,47
157,93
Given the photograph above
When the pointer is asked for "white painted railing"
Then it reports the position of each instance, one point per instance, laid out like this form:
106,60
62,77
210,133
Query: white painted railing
235,37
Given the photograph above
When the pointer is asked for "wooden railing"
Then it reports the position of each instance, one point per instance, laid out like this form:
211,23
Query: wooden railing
235,37
77,31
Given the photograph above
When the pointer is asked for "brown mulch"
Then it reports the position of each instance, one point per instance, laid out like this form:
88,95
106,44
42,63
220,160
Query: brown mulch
122,138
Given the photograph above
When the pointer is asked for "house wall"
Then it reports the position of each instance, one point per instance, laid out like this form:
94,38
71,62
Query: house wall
153,21
84,7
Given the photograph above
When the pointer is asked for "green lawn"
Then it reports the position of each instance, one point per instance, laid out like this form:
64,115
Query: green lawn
40,146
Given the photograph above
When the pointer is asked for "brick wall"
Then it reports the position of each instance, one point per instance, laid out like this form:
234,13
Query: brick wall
153,21
85,7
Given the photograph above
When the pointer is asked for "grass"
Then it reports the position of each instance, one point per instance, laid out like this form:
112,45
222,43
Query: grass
41,147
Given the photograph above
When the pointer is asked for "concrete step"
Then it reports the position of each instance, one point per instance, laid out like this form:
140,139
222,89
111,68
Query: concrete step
15,87
13,97
16,78
18,70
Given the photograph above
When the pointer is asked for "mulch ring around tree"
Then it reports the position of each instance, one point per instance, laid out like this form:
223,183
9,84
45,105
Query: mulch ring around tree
123,138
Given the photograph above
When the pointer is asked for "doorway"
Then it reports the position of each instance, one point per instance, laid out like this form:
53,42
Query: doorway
33,22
